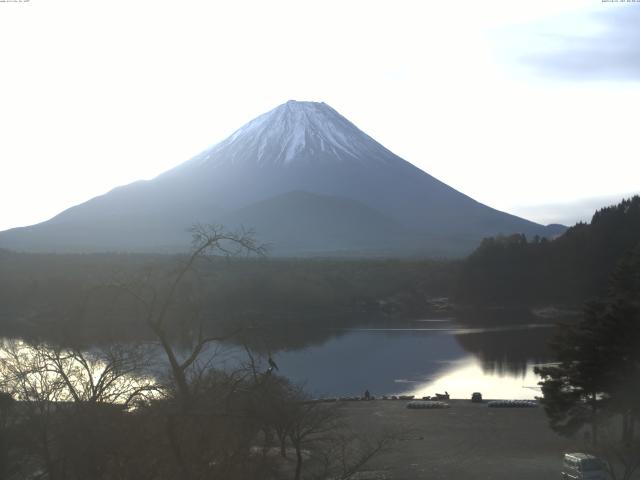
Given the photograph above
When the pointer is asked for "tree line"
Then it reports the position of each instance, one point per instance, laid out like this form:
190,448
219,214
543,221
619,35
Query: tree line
43,294
515,270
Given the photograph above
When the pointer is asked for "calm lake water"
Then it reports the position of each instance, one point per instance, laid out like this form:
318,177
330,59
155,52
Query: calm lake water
420,358
417,357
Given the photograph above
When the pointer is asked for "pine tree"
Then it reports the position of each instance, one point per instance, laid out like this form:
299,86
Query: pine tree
598,374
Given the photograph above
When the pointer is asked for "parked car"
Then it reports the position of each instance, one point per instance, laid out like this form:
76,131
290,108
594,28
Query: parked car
583,466
476,397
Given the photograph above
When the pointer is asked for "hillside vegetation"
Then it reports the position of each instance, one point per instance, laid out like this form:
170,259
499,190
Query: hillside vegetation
574,267
40,293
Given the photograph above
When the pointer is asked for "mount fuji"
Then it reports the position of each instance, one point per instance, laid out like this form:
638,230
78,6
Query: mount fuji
305,178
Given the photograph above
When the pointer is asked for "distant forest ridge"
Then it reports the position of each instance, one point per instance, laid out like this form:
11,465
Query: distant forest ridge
570,269
74,294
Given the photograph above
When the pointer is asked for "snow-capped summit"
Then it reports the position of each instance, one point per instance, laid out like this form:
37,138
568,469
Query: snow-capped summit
297,131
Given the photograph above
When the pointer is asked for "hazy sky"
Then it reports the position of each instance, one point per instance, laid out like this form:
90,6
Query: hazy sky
528,106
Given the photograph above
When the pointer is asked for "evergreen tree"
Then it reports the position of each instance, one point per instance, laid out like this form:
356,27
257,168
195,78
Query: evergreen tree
598,374
568,269
574,389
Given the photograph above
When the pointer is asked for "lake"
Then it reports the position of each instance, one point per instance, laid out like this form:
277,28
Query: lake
412,357
419,358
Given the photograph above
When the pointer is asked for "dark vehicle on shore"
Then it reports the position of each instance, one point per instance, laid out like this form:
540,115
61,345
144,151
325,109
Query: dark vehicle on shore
476,397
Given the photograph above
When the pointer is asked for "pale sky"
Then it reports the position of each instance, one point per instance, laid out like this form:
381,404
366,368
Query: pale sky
529,106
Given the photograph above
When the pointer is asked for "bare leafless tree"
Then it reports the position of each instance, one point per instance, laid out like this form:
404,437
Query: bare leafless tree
116,374
156,301
62,389
208,241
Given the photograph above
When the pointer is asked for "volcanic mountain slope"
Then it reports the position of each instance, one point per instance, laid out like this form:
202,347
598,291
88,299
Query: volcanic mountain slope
306,178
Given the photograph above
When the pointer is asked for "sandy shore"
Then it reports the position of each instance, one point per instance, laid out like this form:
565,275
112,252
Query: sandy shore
466,441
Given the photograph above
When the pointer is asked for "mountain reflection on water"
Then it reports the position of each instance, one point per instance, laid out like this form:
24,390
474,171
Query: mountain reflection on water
421,358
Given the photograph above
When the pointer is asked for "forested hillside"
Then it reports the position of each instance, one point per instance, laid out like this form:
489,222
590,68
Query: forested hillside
87,294
570,269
